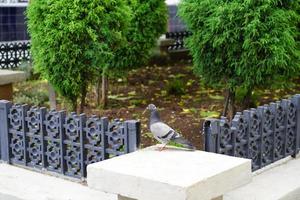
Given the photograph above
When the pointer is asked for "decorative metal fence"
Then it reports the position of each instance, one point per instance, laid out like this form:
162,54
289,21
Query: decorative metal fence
178,38
264,135
13,2
13,53
60,142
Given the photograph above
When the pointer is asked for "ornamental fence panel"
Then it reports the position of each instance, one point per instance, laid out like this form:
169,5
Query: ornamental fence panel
264,135
59,142
12,54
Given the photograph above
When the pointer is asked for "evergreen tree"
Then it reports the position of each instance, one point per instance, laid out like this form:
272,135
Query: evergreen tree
243,44
149,22
73,40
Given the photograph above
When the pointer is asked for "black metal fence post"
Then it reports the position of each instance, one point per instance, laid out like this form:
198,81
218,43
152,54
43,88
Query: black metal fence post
60,125
82,137
296,101
24,109
4,127
211,133
42,115
134,132
104,140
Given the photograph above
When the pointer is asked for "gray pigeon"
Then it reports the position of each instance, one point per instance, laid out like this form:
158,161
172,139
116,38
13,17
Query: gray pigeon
164,133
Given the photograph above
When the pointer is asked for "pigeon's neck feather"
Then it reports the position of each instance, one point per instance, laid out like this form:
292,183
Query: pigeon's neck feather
154,117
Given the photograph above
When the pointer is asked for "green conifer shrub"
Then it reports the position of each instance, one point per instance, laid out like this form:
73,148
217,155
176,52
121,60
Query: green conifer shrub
149,22
243,44
72,41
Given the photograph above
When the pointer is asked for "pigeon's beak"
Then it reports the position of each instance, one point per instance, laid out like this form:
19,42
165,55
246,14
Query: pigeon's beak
145,111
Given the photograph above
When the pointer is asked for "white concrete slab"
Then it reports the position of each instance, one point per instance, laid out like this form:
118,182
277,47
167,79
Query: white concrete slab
8,197
22,184
281,182
172,174
9,76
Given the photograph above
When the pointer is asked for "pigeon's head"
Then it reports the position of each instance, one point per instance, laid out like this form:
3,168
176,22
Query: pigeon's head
151,107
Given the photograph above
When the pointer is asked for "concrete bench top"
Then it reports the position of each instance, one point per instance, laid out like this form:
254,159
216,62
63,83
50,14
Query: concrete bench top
172,174
8,76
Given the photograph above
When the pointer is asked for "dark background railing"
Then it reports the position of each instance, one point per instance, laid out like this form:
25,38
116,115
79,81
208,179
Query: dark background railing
60,142
264,135
178,38
12,54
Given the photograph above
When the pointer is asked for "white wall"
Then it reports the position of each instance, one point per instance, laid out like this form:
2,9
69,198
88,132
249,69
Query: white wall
172,2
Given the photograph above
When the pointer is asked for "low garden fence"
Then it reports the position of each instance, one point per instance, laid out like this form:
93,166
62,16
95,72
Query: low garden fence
61,142
12,54
264,135
178,38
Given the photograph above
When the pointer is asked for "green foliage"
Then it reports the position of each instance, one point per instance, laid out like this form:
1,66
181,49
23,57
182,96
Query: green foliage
38,99
32,93
72,41
209,114
26,66
149,22
243,43
176,86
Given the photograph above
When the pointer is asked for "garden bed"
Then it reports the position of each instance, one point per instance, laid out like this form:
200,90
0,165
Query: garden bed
183,101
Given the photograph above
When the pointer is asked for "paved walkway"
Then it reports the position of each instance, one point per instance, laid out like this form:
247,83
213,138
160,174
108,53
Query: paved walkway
278,183
21,184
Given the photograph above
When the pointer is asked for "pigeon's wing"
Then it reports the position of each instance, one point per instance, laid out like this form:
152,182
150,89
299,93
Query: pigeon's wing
162,131
177,138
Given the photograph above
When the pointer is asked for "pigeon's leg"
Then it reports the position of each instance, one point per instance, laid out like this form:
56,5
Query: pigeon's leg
163,147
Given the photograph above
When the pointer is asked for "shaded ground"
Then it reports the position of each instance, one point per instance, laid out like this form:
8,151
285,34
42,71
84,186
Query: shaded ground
183,102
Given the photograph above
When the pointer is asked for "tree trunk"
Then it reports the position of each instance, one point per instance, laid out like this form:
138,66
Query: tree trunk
74,105
247,101
83,97
52,97
232,105
104,99
229,104
98,91
225,110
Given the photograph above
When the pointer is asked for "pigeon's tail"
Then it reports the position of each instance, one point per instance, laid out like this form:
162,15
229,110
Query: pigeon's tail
185,143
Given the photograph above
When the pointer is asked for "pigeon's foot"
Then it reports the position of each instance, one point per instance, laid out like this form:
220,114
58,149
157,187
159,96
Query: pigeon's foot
162,147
